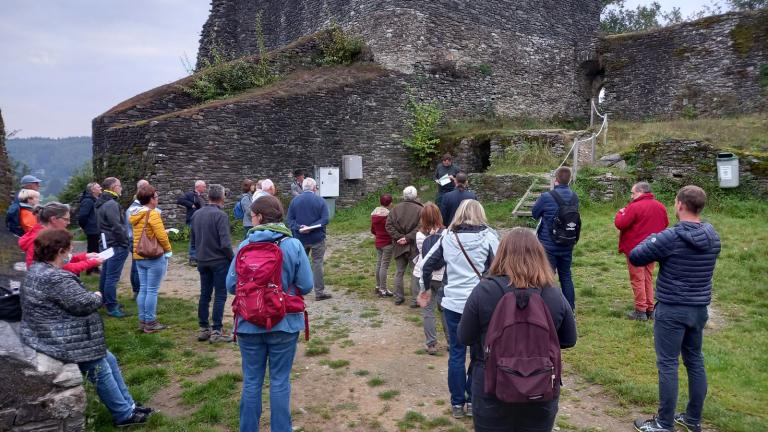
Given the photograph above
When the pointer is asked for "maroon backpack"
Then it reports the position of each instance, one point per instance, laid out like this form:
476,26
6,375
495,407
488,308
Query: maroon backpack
522,350
259,295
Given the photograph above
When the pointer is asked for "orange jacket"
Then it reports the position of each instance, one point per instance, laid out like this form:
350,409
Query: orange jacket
27,219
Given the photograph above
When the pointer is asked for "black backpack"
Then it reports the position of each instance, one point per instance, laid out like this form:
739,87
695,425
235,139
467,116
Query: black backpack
566,225
13,218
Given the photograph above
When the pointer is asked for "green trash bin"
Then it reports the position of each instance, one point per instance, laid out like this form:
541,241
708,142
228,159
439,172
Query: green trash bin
728,170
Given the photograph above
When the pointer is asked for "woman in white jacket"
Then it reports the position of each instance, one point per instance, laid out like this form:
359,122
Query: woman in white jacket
466,250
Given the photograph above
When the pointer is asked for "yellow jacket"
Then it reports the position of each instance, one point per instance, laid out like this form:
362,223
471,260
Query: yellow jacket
156,229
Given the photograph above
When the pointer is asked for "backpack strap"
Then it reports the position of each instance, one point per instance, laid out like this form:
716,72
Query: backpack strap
469,260
558,199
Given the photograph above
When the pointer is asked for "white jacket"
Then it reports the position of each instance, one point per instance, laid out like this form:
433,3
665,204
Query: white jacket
418,262
480,243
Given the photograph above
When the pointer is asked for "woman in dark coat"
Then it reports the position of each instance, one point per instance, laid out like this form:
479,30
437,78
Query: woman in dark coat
520,262
59,319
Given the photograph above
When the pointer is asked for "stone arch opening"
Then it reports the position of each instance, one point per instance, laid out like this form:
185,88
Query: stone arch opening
592,78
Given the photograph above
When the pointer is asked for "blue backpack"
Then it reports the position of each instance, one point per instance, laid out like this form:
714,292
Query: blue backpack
12,218
238,212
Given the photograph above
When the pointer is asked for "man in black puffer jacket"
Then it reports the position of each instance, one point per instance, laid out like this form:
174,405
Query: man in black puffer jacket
686,253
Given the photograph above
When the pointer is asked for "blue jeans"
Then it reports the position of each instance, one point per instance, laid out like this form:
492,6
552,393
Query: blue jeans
279,348
213,280
679,330
192,250
135,282
111,270
459,379
105,375
561,262
151,273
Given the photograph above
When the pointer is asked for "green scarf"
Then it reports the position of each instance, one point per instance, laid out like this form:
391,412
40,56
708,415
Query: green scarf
276,227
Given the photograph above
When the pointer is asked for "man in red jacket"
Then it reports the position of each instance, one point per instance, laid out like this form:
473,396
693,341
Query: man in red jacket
643,216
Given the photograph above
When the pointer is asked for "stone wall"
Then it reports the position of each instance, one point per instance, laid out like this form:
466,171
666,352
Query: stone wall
6,175
508,58
309,120
686,159
38,393
709,67
499,187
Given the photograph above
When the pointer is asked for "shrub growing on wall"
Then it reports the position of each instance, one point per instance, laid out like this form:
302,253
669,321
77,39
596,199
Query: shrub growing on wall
423,121
339,48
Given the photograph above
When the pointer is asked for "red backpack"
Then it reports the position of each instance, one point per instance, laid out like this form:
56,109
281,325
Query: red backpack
522,350
259,295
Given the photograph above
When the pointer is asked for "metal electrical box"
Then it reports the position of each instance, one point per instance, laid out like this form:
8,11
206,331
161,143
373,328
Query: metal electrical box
728,170
328,181
352,166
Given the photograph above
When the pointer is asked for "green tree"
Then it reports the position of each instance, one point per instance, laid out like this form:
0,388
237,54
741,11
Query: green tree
423,124
742,5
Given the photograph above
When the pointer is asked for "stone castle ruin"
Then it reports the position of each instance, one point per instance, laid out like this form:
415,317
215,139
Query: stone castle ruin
541,60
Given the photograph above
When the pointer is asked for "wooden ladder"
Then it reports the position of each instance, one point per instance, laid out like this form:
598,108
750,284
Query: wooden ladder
524,207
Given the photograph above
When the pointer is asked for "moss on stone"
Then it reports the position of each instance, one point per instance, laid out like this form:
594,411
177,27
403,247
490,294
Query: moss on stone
750,34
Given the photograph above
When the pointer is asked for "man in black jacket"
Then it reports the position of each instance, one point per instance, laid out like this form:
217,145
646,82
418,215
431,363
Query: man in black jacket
87,219
111,221
686,253
452,199
210,236
446,168
193,201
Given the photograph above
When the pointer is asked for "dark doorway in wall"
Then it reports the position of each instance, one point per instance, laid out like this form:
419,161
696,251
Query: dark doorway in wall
482,155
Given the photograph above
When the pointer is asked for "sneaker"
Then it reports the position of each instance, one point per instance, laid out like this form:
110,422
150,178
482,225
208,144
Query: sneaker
683,421
413,306
650,426
469,409
192,262
432,349
135,419
457,411
388,293
143,409
399,301
116,313
637,315
141,326
649,314
204,334
323,296
218,336
154,327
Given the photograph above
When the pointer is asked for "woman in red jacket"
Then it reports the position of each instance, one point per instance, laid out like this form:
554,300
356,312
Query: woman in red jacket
383,245
56,215
642,217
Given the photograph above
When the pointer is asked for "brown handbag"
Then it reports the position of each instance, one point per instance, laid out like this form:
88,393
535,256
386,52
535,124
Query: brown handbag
148,247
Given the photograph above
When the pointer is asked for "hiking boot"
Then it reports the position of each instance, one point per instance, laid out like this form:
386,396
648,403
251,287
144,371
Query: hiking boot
469,409
457,411
649,314
399,301
432,349
650,426
414,306
116,313
323,296
218,336
135,419
204,334
154,327
688,425
141,326
192,262
637,315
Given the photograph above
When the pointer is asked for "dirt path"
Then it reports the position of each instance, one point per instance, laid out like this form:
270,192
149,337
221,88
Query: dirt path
371,338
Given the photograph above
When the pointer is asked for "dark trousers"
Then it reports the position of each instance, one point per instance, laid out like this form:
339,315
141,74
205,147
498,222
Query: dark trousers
491,415
213,278
92,245
561,262
459,378
679,330
135,283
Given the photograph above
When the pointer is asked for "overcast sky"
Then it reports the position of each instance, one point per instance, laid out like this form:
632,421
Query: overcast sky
64,62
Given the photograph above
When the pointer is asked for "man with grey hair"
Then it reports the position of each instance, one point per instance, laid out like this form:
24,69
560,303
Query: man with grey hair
134,207
402,225
86,218
307,218
193,201
210,236
266,187
643,216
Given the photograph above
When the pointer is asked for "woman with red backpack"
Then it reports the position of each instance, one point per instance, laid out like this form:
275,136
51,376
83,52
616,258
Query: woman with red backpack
273,340
520,278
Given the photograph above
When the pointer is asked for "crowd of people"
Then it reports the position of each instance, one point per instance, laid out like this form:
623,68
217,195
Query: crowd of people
494,295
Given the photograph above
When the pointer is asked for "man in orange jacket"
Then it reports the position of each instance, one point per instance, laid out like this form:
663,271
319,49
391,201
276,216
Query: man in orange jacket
643,216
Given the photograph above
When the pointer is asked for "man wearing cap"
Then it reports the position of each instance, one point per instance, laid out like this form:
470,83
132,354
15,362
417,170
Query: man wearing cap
12,216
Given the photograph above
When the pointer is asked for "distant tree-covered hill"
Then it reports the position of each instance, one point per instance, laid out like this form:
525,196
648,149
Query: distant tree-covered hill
53,160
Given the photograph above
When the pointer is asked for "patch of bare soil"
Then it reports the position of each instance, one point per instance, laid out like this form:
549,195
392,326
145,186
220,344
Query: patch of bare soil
379,341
